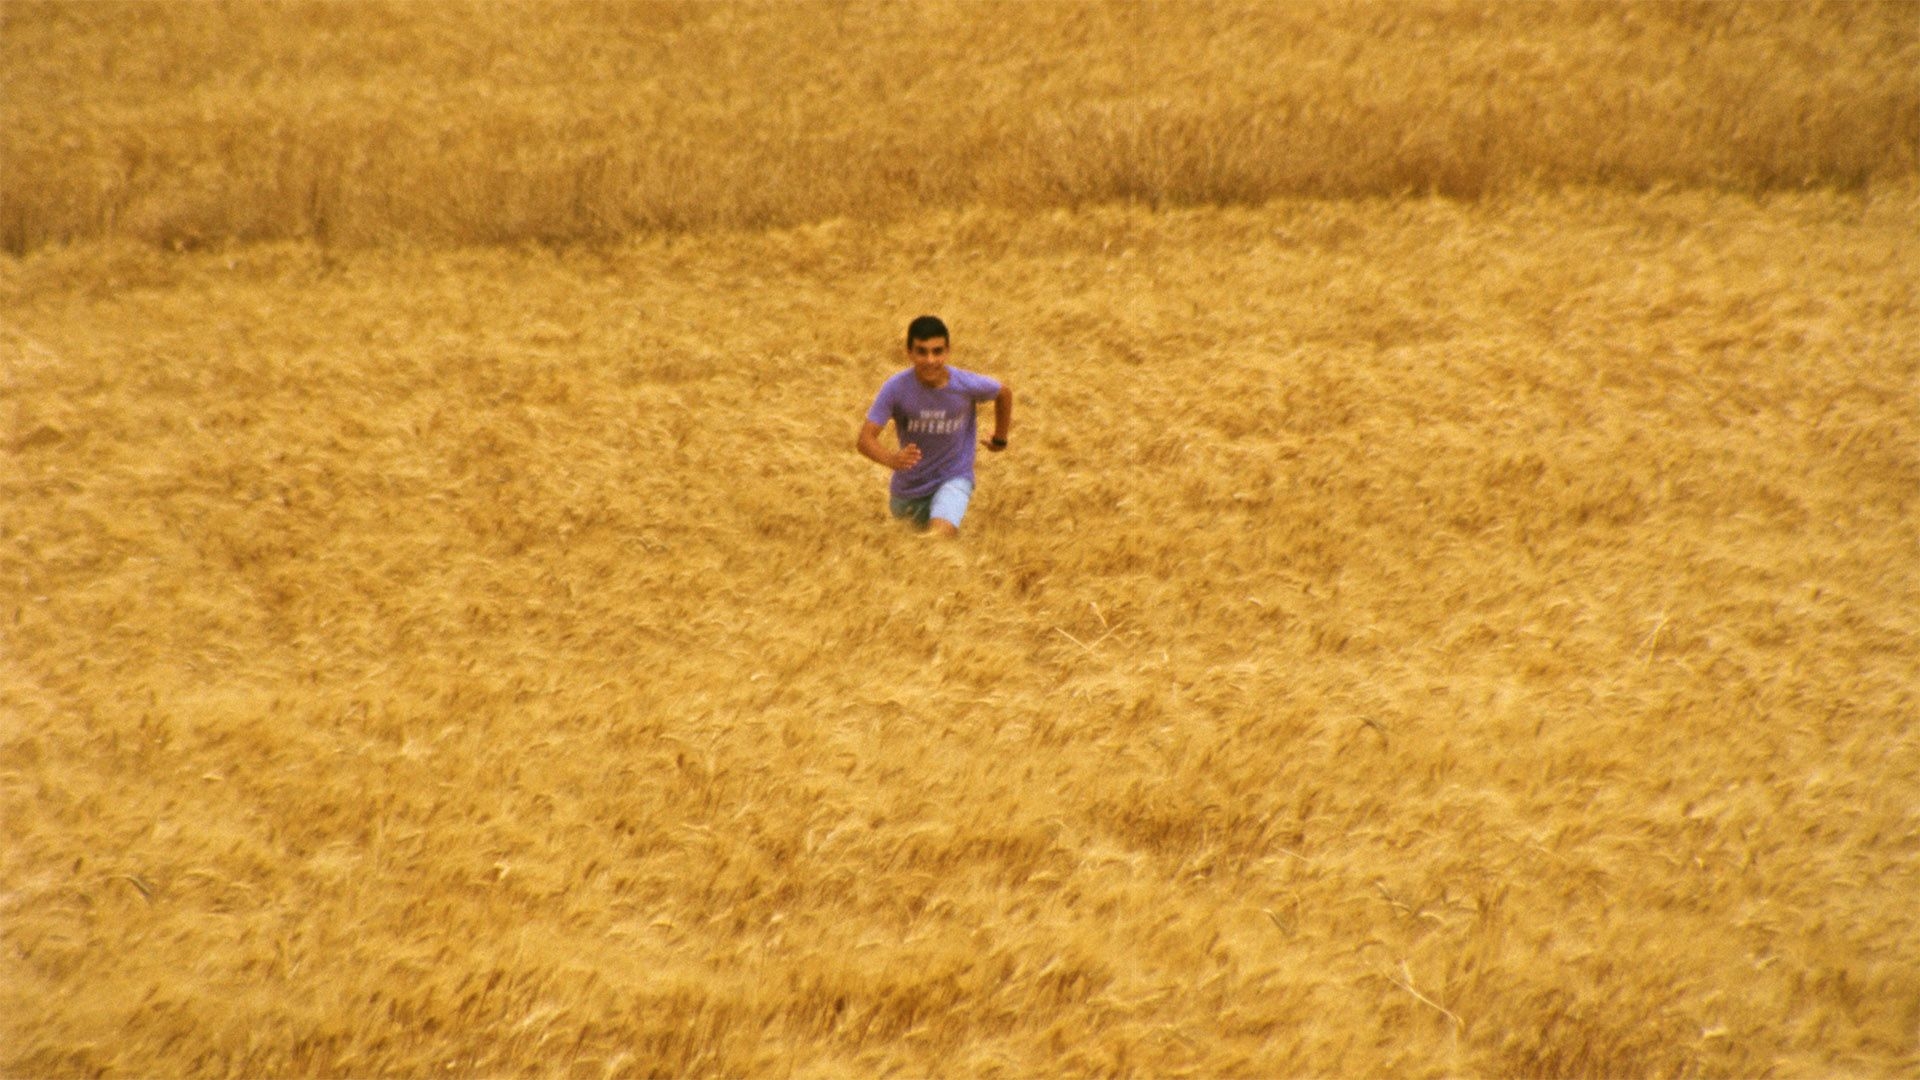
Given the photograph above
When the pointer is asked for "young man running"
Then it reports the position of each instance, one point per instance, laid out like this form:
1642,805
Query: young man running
931,406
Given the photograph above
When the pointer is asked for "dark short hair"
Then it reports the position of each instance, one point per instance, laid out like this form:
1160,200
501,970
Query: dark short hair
926,328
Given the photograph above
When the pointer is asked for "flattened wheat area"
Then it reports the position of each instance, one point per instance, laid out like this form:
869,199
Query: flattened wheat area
1459,620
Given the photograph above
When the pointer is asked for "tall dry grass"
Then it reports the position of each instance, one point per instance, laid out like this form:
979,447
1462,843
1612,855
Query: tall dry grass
187,125
1410,638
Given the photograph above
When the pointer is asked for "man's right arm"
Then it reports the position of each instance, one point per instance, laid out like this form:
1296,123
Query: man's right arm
869,444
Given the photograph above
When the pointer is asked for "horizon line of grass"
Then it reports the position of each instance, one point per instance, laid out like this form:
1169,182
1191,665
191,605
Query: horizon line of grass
363,124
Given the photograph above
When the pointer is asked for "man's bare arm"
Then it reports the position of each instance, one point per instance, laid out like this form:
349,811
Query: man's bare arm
1002,417
869,445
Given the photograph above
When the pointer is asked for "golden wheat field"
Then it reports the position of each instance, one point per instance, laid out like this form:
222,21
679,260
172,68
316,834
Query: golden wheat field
188,124
1423,626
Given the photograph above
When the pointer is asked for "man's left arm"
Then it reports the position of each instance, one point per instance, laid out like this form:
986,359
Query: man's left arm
1002,418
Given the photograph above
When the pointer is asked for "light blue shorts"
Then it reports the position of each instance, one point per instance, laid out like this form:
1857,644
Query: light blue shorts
948,503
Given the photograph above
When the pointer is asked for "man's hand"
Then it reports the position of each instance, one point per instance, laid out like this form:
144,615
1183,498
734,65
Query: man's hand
869,445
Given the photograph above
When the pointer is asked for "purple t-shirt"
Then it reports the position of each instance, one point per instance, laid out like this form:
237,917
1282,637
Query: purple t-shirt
940,422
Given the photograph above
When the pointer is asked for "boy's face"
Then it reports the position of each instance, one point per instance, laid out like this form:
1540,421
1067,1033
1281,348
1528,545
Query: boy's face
929,358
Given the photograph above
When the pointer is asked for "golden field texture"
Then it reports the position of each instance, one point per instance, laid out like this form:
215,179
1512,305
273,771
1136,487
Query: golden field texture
1407,637
196,124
